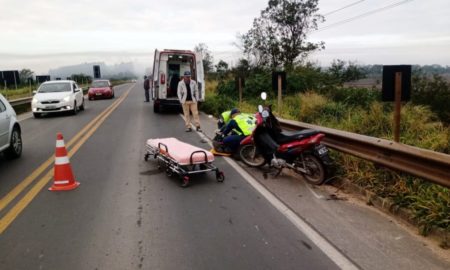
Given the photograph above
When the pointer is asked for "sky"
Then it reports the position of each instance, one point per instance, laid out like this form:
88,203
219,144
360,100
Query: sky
41,35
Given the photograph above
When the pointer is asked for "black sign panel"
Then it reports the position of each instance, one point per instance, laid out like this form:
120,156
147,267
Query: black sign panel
97,74
10,77
42,78
388,93
275,75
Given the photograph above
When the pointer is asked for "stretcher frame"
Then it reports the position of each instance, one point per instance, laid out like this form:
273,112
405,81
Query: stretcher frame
172,166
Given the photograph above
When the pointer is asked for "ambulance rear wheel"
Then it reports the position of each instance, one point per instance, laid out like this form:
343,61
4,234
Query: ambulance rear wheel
156,107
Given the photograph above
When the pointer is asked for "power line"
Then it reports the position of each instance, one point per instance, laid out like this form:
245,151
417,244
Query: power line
344,7
364,14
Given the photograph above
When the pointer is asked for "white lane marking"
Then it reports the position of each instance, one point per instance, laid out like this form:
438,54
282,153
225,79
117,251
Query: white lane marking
201,134
334,254
314,193
24,116
323,244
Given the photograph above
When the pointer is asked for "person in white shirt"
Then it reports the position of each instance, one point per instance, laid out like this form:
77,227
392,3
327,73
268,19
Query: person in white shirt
188,95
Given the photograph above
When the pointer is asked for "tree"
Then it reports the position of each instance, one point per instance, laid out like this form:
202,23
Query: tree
342,71
207,57
432,91
242,69
278,36
222,67
25,74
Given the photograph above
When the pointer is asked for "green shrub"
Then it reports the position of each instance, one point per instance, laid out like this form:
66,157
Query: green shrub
12,94
431,206
227,88
215,104
374,121
433,92
255,84
420,127
306,78
311,106
362,97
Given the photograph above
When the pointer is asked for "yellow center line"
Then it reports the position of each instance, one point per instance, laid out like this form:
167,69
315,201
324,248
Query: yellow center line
32,193
29,179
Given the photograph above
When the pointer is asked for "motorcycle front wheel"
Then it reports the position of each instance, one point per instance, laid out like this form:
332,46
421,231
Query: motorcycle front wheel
315,169
250,156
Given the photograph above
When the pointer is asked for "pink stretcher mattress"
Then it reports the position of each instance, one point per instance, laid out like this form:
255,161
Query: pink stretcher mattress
180,151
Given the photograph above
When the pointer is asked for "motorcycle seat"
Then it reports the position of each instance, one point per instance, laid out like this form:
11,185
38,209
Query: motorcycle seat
287,136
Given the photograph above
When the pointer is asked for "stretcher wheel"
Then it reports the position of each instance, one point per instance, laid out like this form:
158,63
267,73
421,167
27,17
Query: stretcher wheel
185,182
160,165
169,172
146,157
220,176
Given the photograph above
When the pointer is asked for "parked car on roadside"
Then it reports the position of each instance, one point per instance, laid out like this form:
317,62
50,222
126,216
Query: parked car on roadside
100,89
57,96
10,131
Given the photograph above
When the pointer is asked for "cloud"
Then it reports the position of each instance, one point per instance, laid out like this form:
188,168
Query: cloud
43,28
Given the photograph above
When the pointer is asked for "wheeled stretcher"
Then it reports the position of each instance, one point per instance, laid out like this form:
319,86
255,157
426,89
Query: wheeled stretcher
181,158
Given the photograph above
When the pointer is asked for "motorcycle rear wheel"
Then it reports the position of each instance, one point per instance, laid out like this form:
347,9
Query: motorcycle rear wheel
314,165
250,157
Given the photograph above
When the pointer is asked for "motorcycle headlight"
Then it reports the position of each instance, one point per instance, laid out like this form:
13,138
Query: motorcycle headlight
265,114
66,99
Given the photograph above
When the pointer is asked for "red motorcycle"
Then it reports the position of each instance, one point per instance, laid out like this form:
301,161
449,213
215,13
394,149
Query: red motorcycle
300,151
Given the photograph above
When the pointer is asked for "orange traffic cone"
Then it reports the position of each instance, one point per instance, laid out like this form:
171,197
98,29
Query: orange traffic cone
64,179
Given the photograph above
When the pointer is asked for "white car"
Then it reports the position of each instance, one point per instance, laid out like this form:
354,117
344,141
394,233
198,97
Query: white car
10,132
57,96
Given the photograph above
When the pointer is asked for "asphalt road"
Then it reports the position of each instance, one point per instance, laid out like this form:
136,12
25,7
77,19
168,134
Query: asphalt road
128,215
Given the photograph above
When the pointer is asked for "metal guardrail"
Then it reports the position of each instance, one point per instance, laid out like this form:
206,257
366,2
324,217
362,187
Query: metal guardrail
20,101
423,163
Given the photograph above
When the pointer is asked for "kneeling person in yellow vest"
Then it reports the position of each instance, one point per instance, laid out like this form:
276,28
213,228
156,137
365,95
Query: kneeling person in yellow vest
240,126
225,117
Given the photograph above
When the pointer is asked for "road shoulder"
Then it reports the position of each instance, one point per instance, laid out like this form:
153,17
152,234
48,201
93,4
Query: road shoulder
362,232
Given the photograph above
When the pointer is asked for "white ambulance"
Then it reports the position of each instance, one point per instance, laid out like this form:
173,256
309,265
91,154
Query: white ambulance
168,69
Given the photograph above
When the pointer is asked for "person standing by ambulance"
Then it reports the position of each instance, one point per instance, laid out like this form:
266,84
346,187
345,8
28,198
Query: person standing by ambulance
147,88
187,92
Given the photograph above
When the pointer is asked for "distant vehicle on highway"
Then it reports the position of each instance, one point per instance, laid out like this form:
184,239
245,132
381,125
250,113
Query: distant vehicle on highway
10,131
57,96
100,89
168,68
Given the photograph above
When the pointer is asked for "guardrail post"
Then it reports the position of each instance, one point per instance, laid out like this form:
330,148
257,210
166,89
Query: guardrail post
240,91
279,94
398,105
